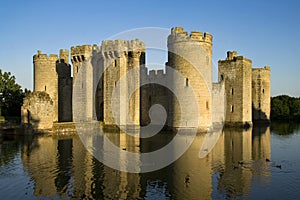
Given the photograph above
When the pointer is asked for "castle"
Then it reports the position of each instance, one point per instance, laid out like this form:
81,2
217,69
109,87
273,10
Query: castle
111,84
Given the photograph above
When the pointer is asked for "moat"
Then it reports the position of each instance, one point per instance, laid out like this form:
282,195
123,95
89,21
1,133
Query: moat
238,167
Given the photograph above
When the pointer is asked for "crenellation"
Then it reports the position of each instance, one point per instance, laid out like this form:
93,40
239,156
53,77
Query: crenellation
44,57
154,74
179,35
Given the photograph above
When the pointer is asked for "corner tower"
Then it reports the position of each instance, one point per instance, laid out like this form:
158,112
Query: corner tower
236,71
190,56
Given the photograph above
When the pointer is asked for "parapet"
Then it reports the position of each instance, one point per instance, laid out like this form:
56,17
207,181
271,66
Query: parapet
179,35
114,48
43,57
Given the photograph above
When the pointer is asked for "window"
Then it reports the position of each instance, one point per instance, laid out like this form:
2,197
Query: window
207,105
232,91
263,91
232,108
187,82
259,105
45,88
222,77
116,63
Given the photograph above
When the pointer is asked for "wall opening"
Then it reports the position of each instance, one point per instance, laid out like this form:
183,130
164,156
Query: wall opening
263,91
186,82
45,88
207,105
259,105
222,77
232,91
116,63
82,57
232,108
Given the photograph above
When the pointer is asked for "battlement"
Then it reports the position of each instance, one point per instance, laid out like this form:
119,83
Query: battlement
179,35
116,47
41,56
232,56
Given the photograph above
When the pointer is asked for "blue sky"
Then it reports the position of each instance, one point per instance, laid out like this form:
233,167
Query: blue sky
267,32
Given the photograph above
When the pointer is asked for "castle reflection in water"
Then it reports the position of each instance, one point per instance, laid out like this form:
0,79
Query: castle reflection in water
63,168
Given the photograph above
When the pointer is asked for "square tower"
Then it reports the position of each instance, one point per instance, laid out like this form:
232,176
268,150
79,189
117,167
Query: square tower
261,96
236,71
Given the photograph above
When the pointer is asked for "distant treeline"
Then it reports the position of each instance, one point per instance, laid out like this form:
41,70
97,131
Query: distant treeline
284,107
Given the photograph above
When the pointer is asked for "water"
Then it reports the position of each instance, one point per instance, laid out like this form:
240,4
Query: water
46,167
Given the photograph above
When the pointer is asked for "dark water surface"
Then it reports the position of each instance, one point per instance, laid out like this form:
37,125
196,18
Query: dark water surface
46,167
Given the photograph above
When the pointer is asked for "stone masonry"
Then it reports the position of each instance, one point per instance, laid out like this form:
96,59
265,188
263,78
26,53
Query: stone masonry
107,83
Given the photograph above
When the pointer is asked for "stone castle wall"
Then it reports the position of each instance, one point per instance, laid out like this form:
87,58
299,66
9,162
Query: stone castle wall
38,110
218,103
153,93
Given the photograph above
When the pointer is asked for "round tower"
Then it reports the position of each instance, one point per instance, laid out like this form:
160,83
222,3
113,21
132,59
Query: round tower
45,76
190,56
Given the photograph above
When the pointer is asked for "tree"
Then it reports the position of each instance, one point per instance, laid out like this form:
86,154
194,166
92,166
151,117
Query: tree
285,107
11,95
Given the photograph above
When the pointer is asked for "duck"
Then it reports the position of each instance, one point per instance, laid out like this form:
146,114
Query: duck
278,166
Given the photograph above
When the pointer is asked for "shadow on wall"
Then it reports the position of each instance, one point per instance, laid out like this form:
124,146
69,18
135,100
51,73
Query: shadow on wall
259,117
63,70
